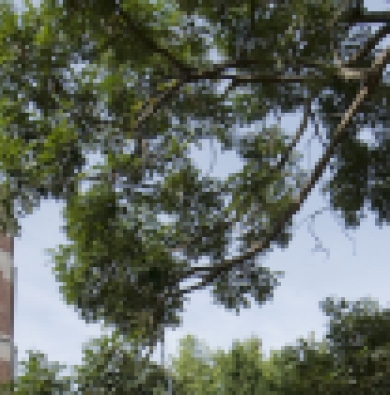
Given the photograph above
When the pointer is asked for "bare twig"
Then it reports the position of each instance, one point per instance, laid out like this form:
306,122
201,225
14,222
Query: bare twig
298,135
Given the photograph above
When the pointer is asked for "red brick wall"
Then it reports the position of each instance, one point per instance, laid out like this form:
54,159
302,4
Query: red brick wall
6,305
5,371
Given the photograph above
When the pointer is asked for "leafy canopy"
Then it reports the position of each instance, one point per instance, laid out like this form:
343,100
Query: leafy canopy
138,83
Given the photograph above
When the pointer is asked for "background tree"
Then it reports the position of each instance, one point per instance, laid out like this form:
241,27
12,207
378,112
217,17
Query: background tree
112,364
39,376
352,358
241,369
359,339
194,370
134,82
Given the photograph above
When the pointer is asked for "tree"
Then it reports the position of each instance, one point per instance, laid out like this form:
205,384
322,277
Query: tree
110,364
194,370
115,364
241,369
133,81
353,358
39,376
359,339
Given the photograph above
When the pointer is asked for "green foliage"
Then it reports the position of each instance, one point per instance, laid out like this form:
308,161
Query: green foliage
112,364
40,376
241,369
192,370
353,358
359,337
138,84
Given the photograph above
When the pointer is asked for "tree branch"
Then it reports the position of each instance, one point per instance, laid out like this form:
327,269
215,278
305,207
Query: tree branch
371,82
266,78
372,17
369,45
348,73
300,131
140,34
298,135
156,103
339,14
358,14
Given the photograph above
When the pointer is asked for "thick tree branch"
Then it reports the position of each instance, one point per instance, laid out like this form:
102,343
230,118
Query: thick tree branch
372,17
353,16
345,70
191,75
298,135
371,82
371,43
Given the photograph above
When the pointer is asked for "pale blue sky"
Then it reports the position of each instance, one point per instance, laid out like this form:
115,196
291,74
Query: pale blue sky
43,322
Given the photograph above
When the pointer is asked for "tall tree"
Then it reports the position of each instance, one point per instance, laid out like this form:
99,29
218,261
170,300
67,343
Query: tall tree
241,369
134,82
194,370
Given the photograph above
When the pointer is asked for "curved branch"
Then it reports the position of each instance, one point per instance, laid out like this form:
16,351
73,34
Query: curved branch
279,167
226,265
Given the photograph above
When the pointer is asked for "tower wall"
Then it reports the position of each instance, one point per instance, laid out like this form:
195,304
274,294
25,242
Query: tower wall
6,309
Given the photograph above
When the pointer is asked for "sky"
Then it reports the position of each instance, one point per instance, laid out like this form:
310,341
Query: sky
357,266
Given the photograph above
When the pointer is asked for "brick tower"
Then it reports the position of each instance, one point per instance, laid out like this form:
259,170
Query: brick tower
7,364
